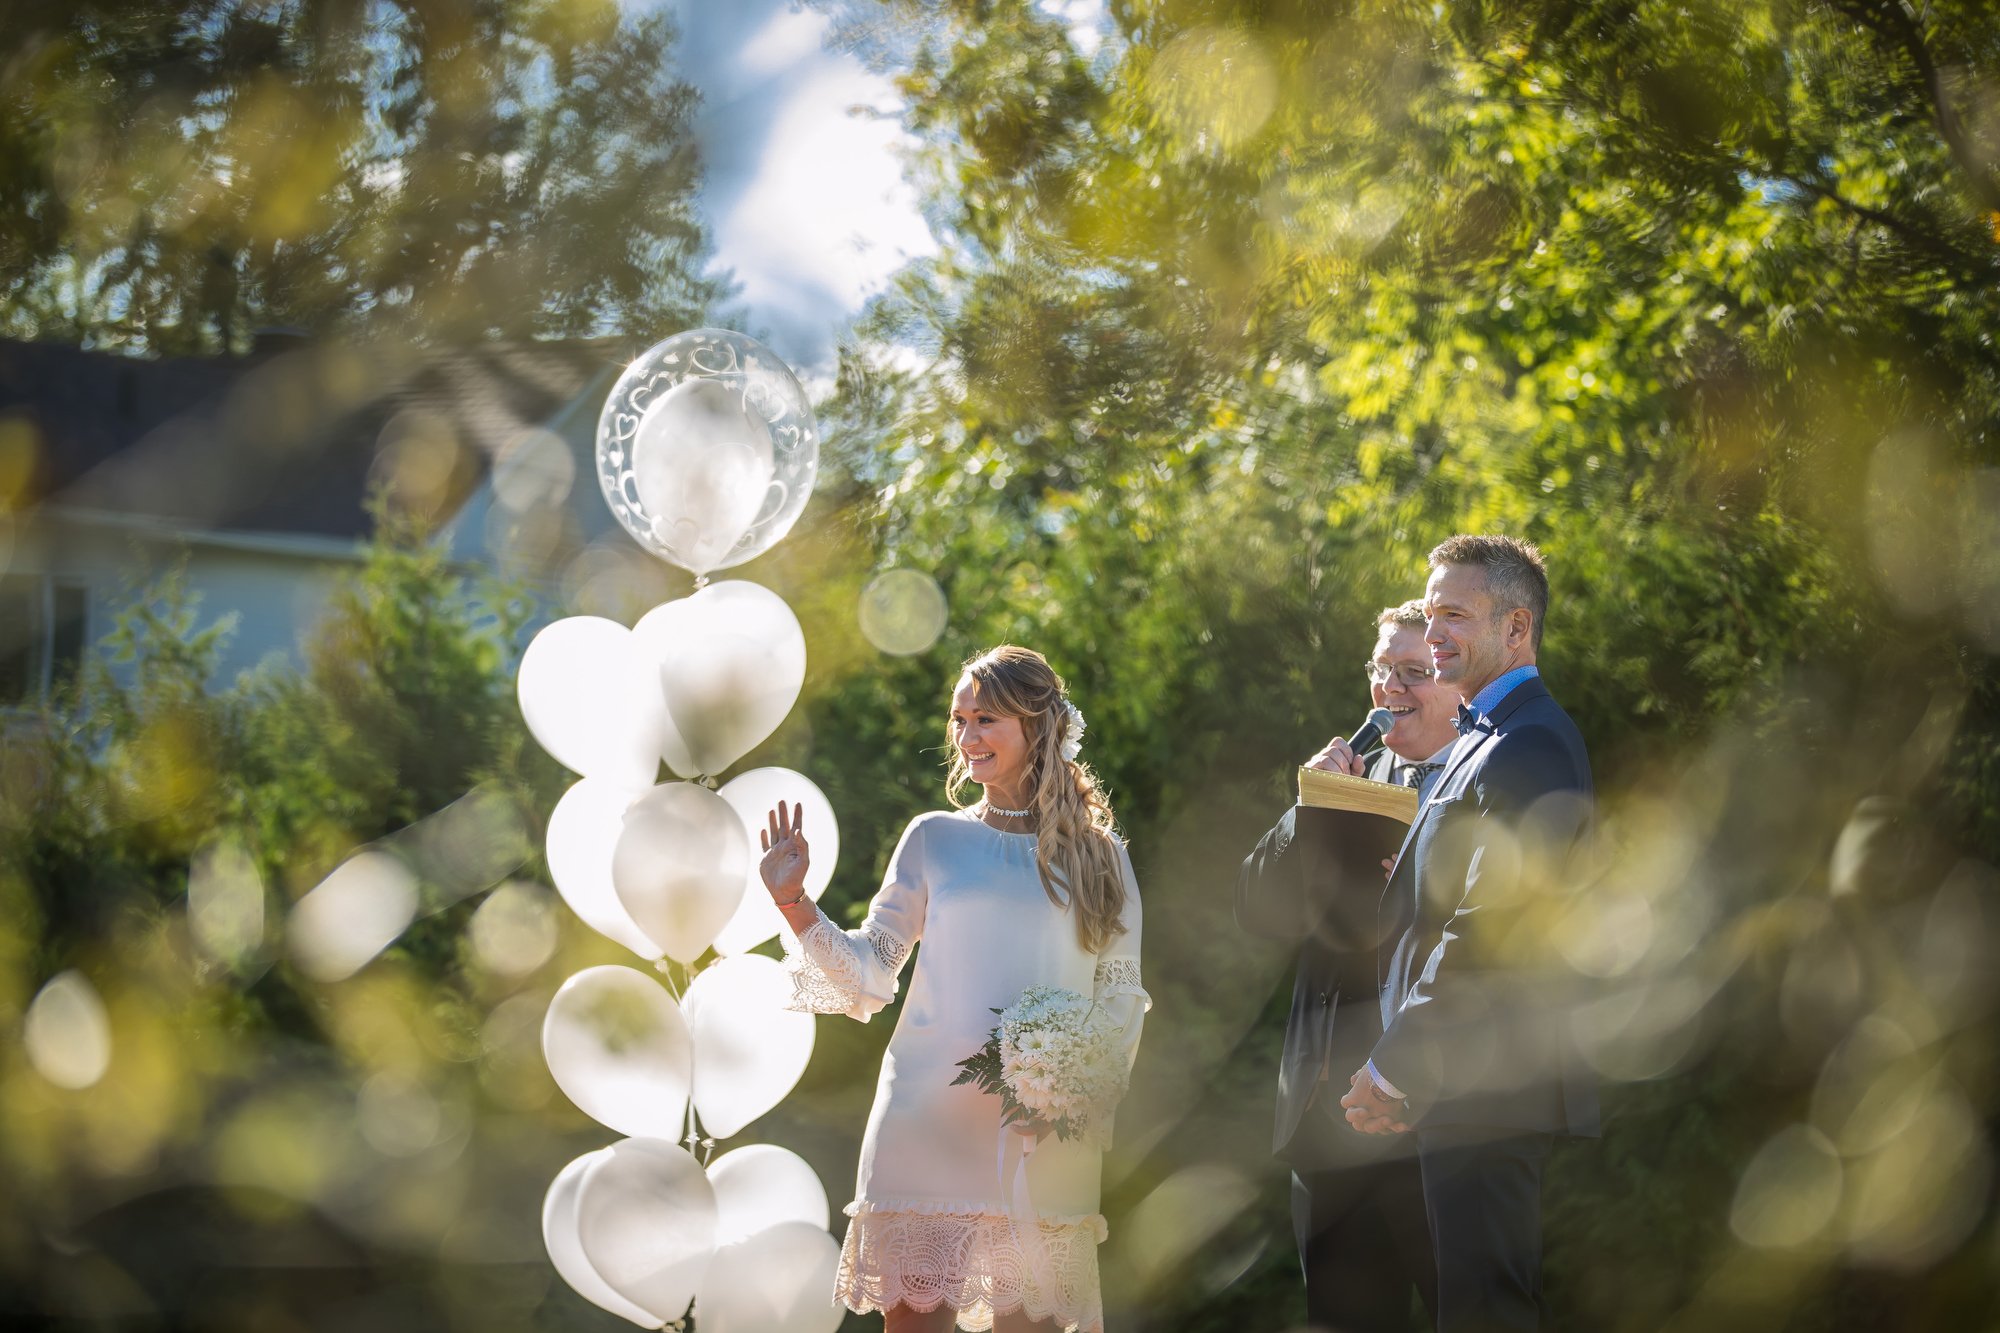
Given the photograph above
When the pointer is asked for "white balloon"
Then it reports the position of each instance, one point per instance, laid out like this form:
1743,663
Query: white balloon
645,1216
684,433
762,1185
752,796
679,867
731,661
702,463
618,1047
590,697
749,1050
777,1281
566,1251
583,835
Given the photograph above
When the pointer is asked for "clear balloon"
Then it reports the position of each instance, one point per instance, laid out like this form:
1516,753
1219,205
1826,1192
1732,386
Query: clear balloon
619,1048
749,1050
583,834
777,1281
592,700
731,660
762,1185
645,1217
566,1250
707,449
679,867
752,796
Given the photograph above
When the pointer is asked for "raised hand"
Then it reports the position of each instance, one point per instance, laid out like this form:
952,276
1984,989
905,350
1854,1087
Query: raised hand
1337,756
786,855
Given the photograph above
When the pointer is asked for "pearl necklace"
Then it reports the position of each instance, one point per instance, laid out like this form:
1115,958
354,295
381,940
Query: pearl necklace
1010,814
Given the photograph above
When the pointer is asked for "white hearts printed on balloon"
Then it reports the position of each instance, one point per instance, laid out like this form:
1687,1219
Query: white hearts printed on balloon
591,698
619,1048
583,834
780,1280
731,660
761,1185
749,1049
559,1235
707,449
645,1218
753,795
679,867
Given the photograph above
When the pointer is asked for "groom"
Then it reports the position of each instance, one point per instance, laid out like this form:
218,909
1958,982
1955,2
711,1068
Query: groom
1474,1057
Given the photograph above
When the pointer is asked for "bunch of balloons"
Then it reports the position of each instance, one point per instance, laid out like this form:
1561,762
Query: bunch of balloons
707,450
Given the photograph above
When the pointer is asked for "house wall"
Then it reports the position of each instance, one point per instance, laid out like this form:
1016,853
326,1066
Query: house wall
276,586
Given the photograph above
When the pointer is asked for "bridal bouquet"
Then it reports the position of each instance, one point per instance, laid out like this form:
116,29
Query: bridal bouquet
1056,1060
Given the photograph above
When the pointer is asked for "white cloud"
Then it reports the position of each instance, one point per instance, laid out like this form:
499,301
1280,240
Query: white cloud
805,200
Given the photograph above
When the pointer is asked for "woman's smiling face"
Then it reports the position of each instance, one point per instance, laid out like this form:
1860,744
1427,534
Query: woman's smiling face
995,748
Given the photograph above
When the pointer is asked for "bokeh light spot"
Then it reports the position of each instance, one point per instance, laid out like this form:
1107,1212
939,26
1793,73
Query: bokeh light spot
514,930
226,903
1789,1191
352,915
67,1033
535,468
398,1115
902,612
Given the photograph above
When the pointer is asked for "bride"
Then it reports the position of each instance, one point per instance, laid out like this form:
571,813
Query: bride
1029,885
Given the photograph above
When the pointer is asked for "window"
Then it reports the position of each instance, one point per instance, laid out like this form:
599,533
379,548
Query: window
44,630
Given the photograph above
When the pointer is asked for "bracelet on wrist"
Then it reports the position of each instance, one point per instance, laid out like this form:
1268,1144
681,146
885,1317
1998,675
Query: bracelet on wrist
793,901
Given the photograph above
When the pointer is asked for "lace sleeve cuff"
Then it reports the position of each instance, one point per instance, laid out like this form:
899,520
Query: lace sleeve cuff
1120,976
842,972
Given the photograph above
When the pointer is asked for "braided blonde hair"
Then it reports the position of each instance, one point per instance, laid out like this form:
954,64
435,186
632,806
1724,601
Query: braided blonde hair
1077,839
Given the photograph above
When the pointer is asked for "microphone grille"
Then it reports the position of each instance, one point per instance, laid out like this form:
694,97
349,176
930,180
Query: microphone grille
1381,719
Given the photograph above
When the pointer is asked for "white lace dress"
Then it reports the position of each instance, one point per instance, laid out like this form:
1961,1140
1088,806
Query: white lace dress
929,1218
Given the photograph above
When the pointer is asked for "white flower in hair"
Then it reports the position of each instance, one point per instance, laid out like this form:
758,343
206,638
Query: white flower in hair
1073,725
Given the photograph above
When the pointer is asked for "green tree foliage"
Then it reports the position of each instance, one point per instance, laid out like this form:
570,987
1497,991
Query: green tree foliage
1241,313
176,176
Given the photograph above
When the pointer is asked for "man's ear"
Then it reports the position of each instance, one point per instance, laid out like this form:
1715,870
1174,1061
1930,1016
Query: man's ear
1520,626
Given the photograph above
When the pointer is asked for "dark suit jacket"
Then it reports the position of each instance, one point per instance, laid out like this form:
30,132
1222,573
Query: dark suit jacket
1474,1005
1290,889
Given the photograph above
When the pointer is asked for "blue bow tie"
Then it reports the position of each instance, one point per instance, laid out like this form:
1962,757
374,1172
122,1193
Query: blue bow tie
1471,719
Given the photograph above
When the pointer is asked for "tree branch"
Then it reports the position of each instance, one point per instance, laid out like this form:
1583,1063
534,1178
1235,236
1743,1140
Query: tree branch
1895,21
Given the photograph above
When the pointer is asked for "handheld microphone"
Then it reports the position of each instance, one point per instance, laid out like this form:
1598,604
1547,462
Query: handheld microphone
1374,729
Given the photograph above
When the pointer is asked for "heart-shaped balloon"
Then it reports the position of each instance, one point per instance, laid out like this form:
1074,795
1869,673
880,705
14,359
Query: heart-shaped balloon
566,1250
761,1185
749,1050
591,697
645,1217
777,1281
753,795
731,660
583,833
619,1048
679,867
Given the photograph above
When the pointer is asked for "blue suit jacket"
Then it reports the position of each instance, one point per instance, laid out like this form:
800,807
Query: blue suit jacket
1475,1003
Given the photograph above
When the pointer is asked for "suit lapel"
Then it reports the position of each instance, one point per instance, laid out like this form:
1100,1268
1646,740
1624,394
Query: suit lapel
1468,746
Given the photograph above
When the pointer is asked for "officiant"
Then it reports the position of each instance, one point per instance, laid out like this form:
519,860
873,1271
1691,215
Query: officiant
1357,1199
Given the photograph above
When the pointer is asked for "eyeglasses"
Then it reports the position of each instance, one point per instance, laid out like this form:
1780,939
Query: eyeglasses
1412,674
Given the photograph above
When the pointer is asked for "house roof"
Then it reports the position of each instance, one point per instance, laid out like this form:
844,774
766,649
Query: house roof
289,440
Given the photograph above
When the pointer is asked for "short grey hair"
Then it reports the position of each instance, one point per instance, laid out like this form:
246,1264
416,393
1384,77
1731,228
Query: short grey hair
1515,573
1410,615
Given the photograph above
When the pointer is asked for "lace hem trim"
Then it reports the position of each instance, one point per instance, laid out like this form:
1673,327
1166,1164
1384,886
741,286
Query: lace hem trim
971,1208
970,1261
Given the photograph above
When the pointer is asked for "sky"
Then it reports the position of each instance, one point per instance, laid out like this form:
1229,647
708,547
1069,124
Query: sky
804,198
